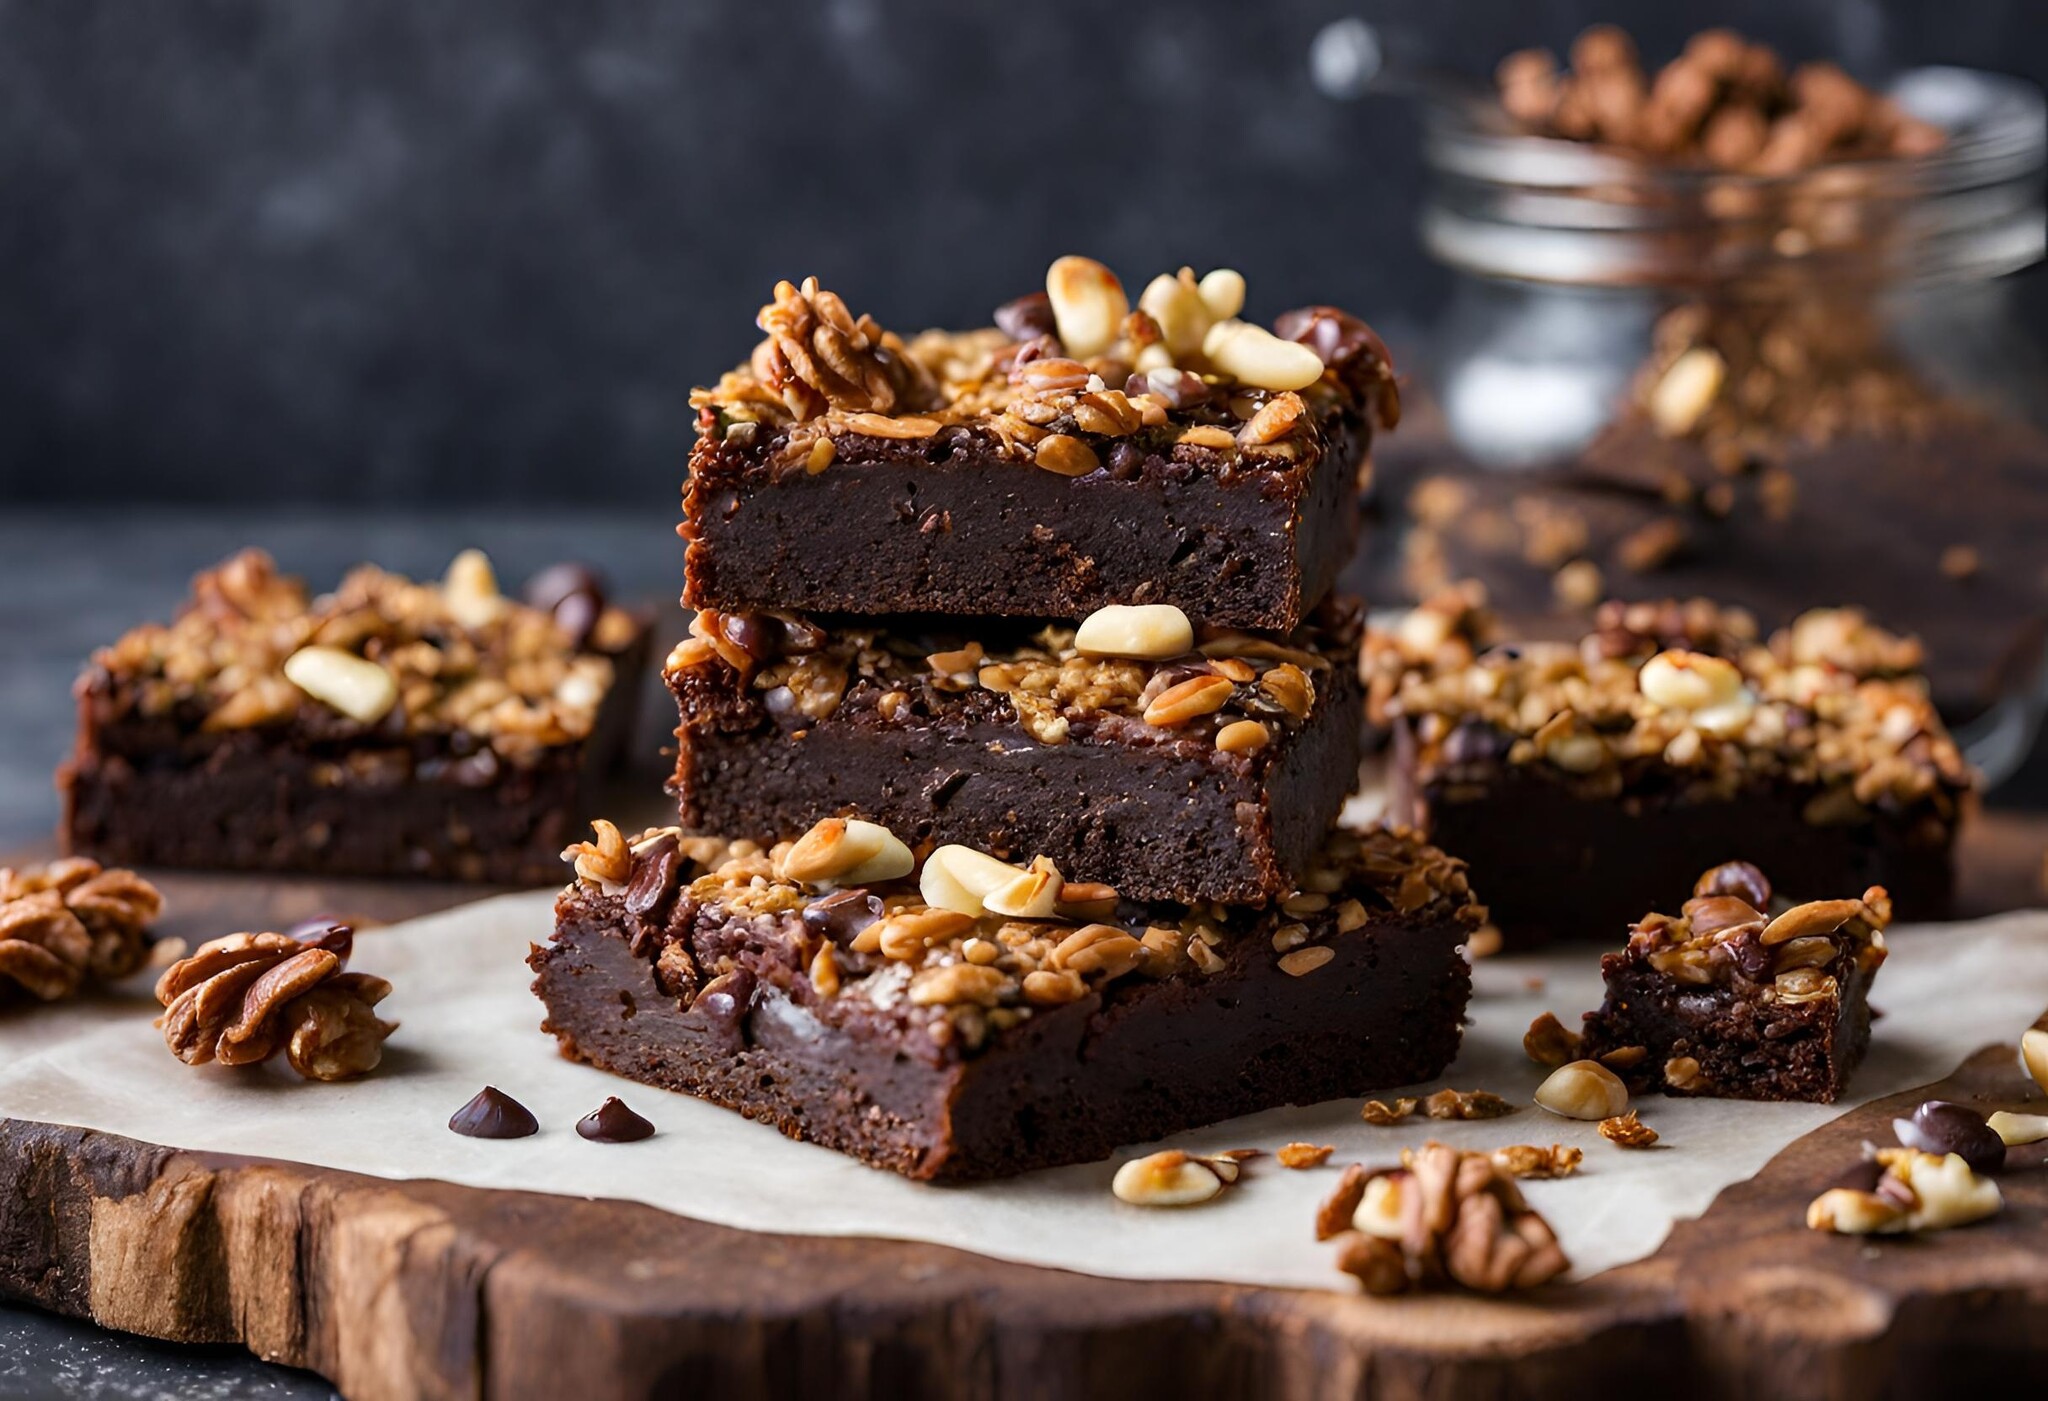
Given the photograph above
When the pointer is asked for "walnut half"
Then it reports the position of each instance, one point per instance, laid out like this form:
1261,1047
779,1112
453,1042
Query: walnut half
242,998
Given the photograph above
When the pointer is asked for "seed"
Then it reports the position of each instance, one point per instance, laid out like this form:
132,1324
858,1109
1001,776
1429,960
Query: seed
1170,1178
1305,961
1147,632
1066,456
1583,1089
1196,696
1243,736
1175,304
1350,916
1379,1210
1033,894
358,688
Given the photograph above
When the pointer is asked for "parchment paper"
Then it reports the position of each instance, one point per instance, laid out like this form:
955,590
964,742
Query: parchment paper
469,1019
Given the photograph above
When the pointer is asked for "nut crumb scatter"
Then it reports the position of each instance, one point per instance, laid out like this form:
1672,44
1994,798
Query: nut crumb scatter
1627,1131
1529,1160
1466,1104
1381,1114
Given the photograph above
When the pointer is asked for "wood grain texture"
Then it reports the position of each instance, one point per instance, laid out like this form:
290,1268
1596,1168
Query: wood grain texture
426,1289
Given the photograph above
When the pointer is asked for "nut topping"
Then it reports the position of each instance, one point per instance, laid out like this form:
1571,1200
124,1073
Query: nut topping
1088,305
1255,356
1583,1089
1148,632
959,878
1549,1042
1528,1160
1171,1178
241,998
353,685
72,921
846,851
1188,700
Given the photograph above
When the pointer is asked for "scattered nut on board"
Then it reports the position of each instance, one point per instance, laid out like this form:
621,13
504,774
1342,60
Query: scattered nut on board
242,998
1583,1089
1530,1160
1901,1190
1305,1155
1381,1114
1466,1104
1174,1178
1627,1131
1443,1218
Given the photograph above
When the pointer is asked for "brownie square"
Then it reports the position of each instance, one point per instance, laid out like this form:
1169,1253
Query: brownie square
1730,1001
386,729
948,1046
1582,783
1012,741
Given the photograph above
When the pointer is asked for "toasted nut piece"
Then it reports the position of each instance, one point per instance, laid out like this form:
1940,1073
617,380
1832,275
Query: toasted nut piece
1171,1178
358,688
2015,1130
908,933
1333,1215
1305,1155
1099,948
1254,356
1176,304
1814,917
1946,1190
1627,1131
1849,1212
1089,900
1222,292
1687,390
470,589
1188,700
835,848
1243,736
1549,1041
893,862
1088,305
607,861
1306,960
1378,1265
1146,632
1380,1114
1466,1104
953,983
1683,1073
1046,988
1528,1160
825,971
1583,1089
1681,680
2034,1054
959,878
1066,456
1379,1210
1033,894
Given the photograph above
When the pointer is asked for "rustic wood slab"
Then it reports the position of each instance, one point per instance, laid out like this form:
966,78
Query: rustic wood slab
403,1289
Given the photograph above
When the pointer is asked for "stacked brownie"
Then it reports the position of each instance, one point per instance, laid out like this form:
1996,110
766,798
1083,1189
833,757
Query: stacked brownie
1014,723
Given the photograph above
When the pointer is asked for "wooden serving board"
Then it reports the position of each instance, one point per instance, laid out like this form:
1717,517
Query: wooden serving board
405,1289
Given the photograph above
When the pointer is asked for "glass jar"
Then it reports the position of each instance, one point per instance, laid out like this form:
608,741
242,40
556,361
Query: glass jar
1777,392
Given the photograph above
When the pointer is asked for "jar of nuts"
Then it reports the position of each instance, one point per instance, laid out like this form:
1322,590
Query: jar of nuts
1739,329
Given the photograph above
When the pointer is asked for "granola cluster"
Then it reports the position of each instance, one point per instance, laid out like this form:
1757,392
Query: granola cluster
1832,702
967,945
380,654
1235,691
1068,379
71,922
241,999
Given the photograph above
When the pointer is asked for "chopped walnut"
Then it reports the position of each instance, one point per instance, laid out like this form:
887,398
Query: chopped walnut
1466,1104
241,998
1305,1155
1549,1042
1530,1160
1455,1218
1383,1115
72,921
1627,1131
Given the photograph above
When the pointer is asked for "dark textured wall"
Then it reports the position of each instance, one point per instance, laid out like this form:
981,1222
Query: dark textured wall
385,249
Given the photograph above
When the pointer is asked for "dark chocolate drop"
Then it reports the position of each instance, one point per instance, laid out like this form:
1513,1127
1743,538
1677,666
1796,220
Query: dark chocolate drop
329,932
573,593
1739,879
1940,1126
842,914
494,1114
654,877
613,1122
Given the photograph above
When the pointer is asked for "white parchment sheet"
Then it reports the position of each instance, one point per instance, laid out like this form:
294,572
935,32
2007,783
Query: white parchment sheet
469,1019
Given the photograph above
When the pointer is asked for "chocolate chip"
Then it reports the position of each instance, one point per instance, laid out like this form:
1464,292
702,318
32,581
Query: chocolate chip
654,877
801,635
842,914
1181,389
573,592
613,1122
752,635
1337,337
1940,1126
1028,317
1475,742
724,1000
328,932
1861,1178
1739,879
1752,957
493,1114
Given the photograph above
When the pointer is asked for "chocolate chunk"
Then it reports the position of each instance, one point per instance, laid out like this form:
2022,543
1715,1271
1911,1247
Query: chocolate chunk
1739,879
328,932
724,1001
654,878
1337,337
1027,318
613,1122
571,591
842,914
1940,1126
750,633
494,1114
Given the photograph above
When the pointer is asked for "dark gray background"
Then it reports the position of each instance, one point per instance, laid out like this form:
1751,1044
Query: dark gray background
383,251
457,265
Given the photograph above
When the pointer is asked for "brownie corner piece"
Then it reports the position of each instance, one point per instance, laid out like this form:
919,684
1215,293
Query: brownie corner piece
949,1045
1729,1000
388,728
1213,773
1019,471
